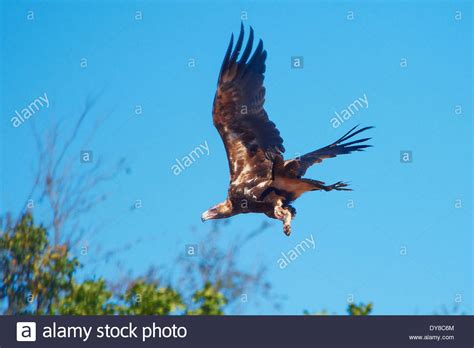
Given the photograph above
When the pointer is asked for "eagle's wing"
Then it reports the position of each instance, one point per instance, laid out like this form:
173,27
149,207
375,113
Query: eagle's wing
298,166
251,140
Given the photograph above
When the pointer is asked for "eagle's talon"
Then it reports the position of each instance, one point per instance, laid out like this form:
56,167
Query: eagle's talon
287,229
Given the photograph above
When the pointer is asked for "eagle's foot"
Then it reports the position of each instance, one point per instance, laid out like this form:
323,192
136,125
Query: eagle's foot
285,214
287,222
280,212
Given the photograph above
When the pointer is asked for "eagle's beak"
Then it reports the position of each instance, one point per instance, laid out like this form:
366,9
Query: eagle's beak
207,215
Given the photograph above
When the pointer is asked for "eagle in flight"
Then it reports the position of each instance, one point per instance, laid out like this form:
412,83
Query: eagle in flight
261,180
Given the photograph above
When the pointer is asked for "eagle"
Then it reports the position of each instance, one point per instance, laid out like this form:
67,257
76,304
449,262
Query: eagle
261,180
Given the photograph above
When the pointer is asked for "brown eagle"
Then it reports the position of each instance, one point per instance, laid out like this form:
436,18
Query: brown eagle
261,181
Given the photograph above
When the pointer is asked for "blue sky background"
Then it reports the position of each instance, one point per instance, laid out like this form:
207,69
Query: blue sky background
145,63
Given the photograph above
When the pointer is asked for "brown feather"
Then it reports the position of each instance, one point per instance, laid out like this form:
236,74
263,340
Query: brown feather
251,140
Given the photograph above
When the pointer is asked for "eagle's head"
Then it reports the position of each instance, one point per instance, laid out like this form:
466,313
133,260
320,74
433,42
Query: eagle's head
219,211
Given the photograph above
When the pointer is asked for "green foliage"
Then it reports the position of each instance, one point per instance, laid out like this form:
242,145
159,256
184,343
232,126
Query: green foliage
148,298
34,274
210,301
89,298
360,309
37,278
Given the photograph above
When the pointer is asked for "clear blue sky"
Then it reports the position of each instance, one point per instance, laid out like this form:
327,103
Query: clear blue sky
145,63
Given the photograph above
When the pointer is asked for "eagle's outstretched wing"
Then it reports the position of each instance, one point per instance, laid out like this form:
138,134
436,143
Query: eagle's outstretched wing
297,166
251,140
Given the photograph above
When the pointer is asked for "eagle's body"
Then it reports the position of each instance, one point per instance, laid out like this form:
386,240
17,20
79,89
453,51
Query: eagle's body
261,181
